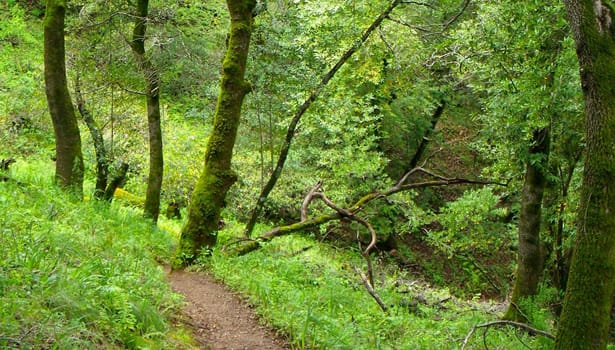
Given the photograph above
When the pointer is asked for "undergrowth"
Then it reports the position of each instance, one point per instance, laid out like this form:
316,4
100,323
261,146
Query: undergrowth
77,275
312,293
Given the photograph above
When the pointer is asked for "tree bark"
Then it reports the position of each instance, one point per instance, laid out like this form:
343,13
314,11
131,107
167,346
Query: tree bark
420,151
119,177
200,230
152,95
69,159
277,172
102,160
584,323
529,255
353,209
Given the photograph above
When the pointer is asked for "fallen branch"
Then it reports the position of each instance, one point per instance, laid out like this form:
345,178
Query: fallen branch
370,290
522,326
351,211
308,200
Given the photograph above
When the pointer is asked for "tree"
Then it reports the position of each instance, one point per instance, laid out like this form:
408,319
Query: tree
584,323
152,95
525,68
530,258
217,177
277,172
102,159
69,159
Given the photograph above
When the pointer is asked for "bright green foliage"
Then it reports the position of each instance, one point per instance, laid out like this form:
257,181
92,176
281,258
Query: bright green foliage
519,58
472,230
21,70
470,224
23,109
78,275
311,291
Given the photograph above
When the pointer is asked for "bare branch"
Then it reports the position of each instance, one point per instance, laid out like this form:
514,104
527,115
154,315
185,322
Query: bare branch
411,26
308,199
420,3
522,326
371,291
351,211
125,89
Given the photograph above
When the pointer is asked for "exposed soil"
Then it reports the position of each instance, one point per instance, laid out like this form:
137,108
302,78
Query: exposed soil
220,319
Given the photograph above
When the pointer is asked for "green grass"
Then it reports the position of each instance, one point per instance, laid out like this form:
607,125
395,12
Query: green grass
79,275
317,299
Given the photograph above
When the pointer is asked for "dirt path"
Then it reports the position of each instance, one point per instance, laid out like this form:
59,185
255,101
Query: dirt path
220,319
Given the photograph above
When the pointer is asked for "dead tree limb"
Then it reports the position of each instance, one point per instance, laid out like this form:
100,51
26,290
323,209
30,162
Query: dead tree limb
519,325
370,290
308,199
301,111
350,211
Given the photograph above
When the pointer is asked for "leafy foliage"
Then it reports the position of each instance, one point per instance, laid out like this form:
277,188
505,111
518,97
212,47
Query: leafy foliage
470,225
79,275
83,275
311,292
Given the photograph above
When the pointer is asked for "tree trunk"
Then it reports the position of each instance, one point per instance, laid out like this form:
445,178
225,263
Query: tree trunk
290,133
118,177
199,232
69,159
584,323
102,160
152,96
420,151
529,255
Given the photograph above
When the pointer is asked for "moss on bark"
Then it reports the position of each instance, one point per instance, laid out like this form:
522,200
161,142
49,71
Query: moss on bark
69,159
200,230
151,208
585,318
529,261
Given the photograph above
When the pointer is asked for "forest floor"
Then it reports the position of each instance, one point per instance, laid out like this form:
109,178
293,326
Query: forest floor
220,319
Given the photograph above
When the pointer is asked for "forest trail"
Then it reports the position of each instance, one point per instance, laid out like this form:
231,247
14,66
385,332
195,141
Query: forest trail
219,318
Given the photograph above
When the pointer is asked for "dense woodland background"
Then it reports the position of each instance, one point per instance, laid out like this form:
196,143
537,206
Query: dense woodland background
463,120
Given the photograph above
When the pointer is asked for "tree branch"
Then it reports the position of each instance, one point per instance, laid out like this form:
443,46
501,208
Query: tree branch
456,17
351,211
308,199
522,326
371,291
301,111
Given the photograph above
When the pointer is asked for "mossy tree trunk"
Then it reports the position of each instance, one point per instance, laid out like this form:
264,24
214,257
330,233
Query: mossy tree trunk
102,160
584,323
200,230
529,255
152,96
69,159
